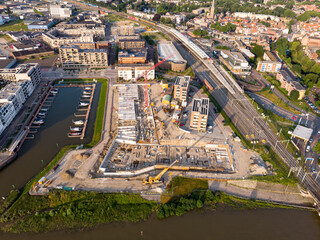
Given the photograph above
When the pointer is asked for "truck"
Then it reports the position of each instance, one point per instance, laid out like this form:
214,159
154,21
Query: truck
208,85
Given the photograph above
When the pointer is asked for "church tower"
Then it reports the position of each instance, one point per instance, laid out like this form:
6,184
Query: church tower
212,10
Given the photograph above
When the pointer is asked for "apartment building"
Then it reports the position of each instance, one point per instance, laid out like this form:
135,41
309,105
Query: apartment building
289,83
180,88
130,72
270,63
132,57
199,114
131,43
12,98
236,62
73,57
29,71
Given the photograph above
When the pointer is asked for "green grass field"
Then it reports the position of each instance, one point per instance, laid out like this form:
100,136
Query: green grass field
276,100
16,25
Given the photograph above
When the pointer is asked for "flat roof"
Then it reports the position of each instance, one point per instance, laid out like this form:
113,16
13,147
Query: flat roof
302,132
183,81
166,49
201,105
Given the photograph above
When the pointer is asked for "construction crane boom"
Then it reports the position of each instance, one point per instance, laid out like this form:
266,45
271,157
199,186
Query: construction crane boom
157,178
145,74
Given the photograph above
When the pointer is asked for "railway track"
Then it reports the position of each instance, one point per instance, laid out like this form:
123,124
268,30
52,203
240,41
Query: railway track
243,114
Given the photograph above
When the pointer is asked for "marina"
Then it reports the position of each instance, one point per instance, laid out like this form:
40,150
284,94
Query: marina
82,111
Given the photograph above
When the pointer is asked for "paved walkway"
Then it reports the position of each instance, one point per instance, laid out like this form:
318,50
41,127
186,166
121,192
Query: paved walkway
272,192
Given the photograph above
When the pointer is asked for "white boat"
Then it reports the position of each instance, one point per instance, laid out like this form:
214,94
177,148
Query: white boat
86,96
54,92
44,109
75,129
83,104
87,93
42,114
78,122
38,121
87,88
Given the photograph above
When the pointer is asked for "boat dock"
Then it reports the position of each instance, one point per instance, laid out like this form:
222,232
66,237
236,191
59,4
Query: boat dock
85,110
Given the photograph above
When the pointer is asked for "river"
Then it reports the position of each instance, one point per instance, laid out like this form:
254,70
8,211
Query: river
224,223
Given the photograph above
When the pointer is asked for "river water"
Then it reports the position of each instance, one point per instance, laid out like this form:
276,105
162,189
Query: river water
221,224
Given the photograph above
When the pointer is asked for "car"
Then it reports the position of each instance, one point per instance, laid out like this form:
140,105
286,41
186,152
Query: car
182,124
311,140
294,118
308,148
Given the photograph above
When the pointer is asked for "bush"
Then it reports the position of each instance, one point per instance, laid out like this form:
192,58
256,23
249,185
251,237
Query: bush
294,95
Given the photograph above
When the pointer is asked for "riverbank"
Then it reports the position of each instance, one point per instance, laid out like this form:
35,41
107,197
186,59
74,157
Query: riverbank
67,210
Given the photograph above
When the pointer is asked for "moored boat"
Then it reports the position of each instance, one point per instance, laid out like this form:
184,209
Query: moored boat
38,121
78,122
83,104
75,129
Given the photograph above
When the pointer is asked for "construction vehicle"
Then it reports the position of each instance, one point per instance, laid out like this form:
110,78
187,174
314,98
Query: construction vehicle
150,180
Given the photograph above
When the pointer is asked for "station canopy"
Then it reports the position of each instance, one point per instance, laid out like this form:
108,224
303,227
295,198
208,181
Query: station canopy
302,132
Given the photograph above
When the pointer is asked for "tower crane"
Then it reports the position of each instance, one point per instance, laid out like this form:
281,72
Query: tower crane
145,74
157,178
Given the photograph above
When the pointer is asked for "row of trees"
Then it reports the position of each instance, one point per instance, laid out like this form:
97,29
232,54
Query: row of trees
292,53
200,33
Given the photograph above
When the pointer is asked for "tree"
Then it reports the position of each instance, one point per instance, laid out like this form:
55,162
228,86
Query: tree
199,204
282,46
258,51
318,53
272,46
317,148
294,95
289,13
156,17
197,32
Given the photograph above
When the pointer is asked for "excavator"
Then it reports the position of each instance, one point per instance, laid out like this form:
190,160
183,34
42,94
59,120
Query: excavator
150,180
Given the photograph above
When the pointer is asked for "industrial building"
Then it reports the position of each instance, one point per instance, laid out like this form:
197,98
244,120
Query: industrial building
175,63
181,86
41,25
131,72
73,57
127,120
199,114
12,97
60,11
236,62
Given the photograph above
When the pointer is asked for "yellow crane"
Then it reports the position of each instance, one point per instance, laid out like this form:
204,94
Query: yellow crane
157,178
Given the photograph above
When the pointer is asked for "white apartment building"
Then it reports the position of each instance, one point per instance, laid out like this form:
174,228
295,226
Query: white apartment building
12,98
133,71
29,71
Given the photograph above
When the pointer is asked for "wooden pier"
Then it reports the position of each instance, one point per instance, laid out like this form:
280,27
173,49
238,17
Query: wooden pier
88,112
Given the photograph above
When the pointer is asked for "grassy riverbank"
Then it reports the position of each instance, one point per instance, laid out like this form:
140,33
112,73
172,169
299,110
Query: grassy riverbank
73,210
65,210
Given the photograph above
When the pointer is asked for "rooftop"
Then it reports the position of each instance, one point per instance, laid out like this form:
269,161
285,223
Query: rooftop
166,49
201,106
302,132
183,81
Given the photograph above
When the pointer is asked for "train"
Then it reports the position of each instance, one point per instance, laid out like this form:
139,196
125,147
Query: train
209,86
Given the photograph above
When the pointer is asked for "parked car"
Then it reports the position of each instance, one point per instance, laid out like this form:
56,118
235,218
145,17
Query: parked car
308,148
294,118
